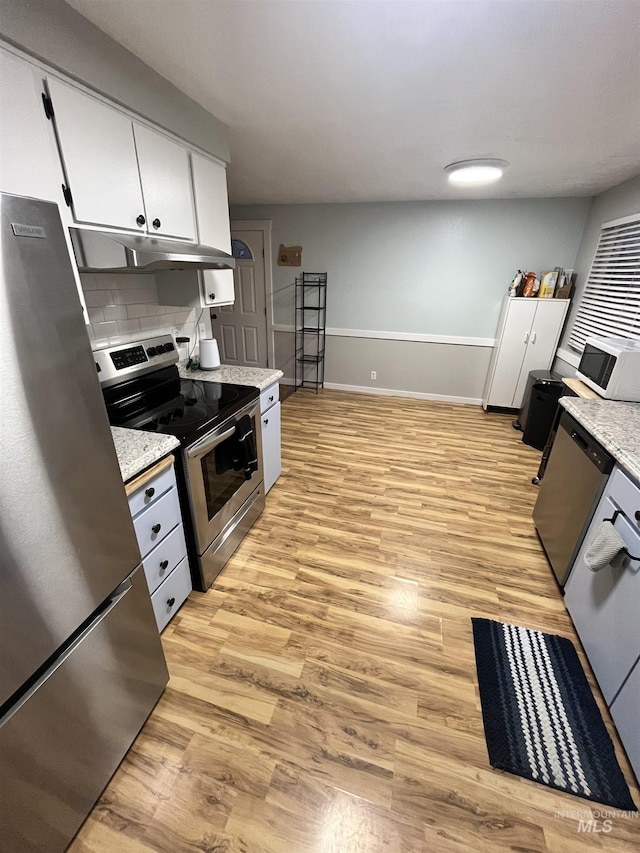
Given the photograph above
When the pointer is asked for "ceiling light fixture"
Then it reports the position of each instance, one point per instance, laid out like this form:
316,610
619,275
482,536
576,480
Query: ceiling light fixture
475,171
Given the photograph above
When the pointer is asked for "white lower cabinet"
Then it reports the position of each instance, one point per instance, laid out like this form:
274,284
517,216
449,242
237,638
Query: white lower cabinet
270,420
527,337
155,508
625,711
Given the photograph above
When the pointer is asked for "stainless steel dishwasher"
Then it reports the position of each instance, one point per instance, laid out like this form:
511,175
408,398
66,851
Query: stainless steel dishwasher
574,479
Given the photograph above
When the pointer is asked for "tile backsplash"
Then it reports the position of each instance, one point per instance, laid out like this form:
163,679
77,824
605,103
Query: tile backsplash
124,307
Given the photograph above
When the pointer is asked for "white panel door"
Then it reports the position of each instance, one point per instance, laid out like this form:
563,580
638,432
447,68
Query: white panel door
99,155
513,346
166,184
543,340
241,328
29,163
271,456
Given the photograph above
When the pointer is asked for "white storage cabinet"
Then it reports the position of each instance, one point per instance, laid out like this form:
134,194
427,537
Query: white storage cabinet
528,334
29,163
204,288
121,173
604,606
270,425
154,506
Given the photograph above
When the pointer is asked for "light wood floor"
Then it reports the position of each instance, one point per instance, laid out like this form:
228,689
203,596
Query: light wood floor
323,693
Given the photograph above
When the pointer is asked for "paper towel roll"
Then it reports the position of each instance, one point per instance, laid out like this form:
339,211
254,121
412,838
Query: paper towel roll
209,354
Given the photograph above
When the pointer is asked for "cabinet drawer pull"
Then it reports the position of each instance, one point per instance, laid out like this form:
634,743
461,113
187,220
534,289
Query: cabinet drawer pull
156,528
212,297
271,399
140,220
156,223
266,421
150,492
163,565
637,515
171,601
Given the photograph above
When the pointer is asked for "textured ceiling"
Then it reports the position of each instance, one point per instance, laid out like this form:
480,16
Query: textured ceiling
353,100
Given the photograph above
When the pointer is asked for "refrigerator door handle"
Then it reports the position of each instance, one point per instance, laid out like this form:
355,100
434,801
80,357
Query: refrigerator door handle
113,601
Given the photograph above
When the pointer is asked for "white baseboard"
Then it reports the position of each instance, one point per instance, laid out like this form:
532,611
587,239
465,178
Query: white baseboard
392,392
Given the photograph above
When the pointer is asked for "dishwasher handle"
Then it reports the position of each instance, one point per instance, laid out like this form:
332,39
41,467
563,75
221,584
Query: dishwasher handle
582,443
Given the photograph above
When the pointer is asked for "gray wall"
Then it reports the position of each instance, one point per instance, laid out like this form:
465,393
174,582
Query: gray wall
415,269
623,200
53,32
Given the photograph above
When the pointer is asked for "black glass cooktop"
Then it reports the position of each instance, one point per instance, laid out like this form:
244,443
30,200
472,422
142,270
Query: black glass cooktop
163,403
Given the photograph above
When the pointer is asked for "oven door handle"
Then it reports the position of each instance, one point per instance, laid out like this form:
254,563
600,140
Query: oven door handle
208,443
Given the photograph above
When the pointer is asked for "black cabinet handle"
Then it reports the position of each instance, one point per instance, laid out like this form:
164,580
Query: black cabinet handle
150,492
266,421
163,565
271,399
140,220
637,515
171,601
156,223
212,296
156,528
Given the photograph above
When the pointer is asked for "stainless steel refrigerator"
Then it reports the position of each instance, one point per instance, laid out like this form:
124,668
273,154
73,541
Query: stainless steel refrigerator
81,664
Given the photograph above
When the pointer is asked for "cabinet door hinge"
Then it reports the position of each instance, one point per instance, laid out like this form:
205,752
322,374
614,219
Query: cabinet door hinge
47,103
66,192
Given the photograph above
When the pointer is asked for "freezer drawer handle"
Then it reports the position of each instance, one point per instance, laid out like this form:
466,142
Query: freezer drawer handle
156,528
613,521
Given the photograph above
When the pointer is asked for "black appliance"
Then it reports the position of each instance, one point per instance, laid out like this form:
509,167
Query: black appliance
220,477
543,390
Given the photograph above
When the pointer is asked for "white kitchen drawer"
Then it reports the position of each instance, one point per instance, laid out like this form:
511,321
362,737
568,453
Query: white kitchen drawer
153,524
152,490
171,594
626,495
269,396
159,563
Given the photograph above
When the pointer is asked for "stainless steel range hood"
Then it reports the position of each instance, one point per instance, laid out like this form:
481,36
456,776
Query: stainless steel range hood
103,251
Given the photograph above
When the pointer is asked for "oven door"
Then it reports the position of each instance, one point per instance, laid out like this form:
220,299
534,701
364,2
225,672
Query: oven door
216,490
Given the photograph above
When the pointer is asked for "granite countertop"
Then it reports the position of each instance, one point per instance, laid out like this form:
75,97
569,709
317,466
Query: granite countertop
258,377
137,449
614,424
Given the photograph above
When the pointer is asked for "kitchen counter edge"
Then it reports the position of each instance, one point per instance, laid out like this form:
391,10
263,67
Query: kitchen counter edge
614,424
258,377
137,450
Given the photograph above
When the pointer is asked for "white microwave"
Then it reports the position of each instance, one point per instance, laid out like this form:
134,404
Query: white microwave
611,366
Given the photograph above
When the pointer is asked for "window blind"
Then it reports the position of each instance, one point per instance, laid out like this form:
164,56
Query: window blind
610,303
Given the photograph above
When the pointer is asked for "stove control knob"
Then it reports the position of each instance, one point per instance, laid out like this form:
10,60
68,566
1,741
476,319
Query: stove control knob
151,351
168,347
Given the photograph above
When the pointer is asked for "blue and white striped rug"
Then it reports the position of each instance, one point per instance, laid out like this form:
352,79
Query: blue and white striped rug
540,718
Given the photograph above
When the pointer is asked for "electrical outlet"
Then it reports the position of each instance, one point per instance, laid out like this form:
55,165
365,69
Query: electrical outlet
202,329
374,374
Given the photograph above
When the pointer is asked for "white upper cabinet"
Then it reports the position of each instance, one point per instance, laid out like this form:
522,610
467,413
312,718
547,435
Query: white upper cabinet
212,214
29,162
166,184
99,156
121,174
